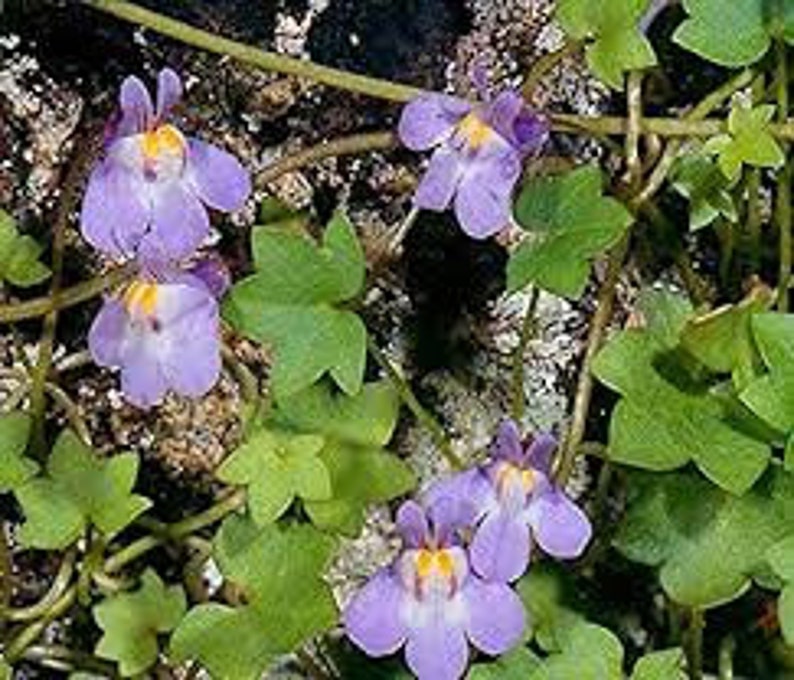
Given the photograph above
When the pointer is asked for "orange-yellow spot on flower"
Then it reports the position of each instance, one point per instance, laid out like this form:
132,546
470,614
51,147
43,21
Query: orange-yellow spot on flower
141,296
165,139
508,474
475,131
434,561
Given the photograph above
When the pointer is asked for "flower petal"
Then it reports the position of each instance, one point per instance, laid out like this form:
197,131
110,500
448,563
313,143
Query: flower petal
169,92
500,548
522,127
508,443
107,334
190,352
179,223
438,650
496,616
539,452
142,381
211,272
440,180
482,202
412,524
136,107
427,120
560,527
219,178
470,490
114,214
372,619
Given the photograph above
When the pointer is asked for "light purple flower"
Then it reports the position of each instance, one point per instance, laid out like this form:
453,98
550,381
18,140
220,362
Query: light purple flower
162,334
511,501
147,196
429,601
478,153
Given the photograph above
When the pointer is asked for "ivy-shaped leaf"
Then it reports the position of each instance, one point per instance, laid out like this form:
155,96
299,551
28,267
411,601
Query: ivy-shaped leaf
781,559
132,621
293,302
665,664
518,664
722,339
571,223
15,469
355,430
707,543
19,256
702,183
771,396
279,570
617,44
79,488
589,652
751,25
276,467
748,141
667,418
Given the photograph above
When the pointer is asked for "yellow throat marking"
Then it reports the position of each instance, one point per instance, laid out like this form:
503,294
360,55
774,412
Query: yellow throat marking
141,296
475,131
430,561
165,139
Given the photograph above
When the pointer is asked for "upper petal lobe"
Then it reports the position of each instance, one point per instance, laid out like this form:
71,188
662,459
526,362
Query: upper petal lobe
430,118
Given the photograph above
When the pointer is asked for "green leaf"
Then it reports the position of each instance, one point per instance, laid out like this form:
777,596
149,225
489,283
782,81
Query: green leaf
360,476
292,302
280,572
748,141
590,652
707,543
722,339
781,558
355,429
617,44
666,417
572,222
751,24
771,396
19,256
15,469
788,454
548,593
517,664
79,489
276,467
131,622
785,613
700,180
666,664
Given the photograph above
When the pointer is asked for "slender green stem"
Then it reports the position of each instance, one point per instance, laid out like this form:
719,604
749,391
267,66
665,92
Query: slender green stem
30,633
408,397
784,180
68,297
131,552
545,64
267,61
595,336
72,185
518,400
63,658
693,644
59,585
231,503
633,131
343,146
726,652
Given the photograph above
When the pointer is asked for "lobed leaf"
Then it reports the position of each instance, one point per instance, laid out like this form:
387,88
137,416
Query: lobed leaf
15,468
571,223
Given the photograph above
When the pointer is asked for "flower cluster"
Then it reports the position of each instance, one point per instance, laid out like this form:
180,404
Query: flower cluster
147,201
462,547
479,151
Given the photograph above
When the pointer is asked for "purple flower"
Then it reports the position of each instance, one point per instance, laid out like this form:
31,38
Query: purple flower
512,500
162,334
429,601
147,196
478,153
